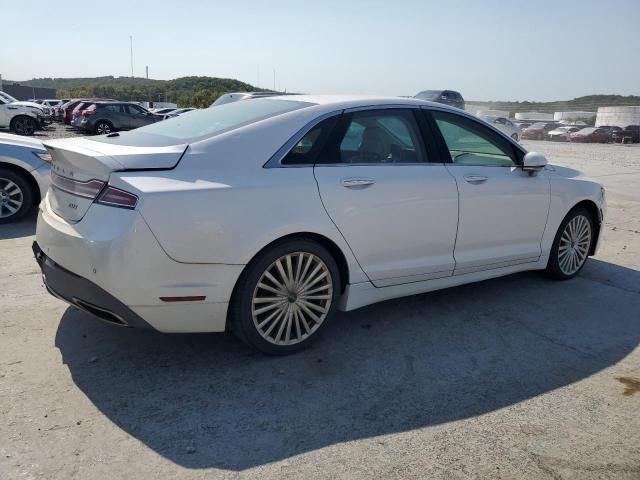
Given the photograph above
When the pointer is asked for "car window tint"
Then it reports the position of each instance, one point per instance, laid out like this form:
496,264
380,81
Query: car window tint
470,143
133,109
381,136
308,147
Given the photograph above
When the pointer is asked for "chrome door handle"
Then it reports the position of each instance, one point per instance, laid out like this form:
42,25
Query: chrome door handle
357,182
475,179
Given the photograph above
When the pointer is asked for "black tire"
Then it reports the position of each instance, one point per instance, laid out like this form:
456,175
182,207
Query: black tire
103,127
554,269
9,182
241,319
23,125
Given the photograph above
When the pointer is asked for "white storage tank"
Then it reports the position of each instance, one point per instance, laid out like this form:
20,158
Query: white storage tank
618,116
535,116
576,115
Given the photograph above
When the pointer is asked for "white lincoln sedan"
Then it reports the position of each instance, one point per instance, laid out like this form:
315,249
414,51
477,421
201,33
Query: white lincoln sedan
265,216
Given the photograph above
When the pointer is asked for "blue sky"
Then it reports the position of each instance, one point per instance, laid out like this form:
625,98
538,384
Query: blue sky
488,50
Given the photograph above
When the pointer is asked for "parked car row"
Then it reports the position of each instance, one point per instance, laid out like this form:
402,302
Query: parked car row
555,131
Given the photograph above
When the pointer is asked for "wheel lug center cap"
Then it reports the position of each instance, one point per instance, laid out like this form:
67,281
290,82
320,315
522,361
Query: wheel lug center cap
292,297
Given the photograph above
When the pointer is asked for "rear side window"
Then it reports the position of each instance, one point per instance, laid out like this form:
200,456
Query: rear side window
113,108
376,136
310,145
219,119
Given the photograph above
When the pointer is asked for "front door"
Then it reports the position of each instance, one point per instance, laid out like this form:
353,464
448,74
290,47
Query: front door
138,117
397,211
503,209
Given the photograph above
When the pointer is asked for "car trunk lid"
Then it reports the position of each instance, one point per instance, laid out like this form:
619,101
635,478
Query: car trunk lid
80,168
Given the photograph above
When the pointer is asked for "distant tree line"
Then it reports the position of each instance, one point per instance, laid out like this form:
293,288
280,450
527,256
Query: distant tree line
198,92
589,103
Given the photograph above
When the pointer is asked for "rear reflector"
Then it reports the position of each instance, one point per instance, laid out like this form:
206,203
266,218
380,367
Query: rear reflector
197,298
114,197
88,189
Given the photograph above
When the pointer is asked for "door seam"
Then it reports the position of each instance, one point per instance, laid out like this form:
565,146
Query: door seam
338,229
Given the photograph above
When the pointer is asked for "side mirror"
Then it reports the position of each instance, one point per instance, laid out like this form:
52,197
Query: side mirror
533,162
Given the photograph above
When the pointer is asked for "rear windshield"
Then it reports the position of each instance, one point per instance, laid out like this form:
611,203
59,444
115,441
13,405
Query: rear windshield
216,120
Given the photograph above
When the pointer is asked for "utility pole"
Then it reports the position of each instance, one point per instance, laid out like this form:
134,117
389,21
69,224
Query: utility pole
147,72
131,49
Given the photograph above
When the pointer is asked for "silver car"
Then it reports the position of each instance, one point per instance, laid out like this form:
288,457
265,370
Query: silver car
24,175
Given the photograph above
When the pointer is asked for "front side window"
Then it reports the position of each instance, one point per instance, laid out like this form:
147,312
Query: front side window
134,109
378,136
470,143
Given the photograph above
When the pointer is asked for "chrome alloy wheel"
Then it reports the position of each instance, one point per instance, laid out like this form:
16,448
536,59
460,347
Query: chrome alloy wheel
292,298
574,244
11,198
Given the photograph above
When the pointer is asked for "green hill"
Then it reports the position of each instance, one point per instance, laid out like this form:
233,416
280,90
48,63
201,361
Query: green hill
185,91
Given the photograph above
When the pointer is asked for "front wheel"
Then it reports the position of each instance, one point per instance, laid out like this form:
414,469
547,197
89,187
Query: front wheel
24,125
285,297
572,245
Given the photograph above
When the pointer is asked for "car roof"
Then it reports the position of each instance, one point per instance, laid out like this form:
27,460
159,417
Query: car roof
353,101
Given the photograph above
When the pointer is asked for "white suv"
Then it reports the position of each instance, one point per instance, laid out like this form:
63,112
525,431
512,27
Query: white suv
21,117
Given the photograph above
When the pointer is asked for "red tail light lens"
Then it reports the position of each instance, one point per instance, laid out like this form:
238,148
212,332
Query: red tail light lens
88,189
114,197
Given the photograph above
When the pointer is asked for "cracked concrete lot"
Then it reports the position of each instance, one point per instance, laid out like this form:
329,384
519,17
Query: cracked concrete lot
515,378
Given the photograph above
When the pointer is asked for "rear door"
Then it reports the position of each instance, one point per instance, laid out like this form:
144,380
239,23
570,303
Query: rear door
503,210
397,211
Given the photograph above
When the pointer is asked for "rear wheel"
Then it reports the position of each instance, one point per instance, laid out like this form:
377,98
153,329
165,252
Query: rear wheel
16,196
572,245
23,125
103,128
285,297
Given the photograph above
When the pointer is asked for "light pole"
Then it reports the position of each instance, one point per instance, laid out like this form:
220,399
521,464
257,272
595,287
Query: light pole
131,50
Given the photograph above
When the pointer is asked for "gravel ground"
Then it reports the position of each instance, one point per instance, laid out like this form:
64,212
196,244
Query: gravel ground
515,378
58,130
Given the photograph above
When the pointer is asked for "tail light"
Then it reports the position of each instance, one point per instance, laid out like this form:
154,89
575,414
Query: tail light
88,189
89,112
114,197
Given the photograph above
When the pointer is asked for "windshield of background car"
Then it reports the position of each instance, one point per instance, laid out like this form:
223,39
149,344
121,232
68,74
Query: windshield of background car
429,94
219,119
8,97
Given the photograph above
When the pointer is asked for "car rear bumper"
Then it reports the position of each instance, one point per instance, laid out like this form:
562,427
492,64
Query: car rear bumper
83,294
117,265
